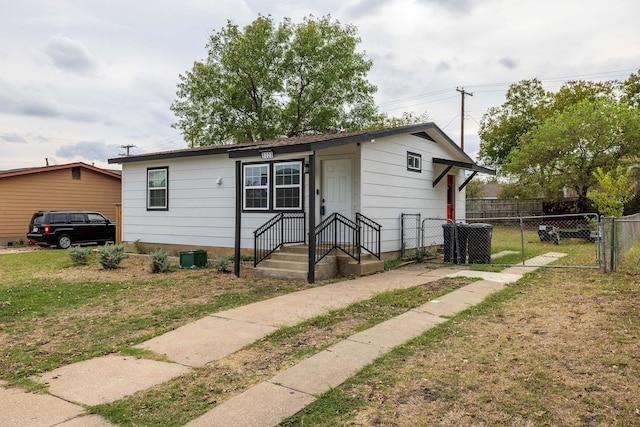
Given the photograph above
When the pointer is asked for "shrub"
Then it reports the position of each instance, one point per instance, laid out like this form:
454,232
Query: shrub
221,264
139,247
110,256
159,261
80,255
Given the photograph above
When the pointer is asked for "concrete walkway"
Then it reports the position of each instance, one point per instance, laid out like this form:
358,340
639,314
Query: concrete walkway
109,378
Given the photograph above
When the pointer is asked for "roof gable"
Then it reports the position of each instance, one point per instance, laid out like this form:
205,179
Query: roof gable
42,169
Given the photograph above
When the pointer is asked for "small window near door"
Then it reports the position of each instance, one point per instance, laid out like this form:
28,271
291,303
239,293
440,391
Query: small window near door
414,162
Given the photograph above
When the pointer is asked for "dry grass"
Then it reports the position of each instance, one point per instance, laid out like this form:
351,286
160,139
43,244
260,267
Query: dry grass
185,398
558,349
58,313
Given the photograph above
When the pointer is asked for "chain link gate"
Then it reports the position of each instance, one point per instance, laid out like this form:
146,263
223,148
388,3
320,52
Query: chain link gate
514,240
411,233
622,235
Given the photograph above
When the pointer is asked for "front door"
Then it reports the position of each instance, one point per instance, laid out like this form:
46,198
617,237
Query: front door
451,197
336,188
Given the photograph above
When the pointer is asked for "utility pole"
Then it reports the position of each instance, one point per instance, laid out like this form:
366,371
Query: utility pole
126,147
462,93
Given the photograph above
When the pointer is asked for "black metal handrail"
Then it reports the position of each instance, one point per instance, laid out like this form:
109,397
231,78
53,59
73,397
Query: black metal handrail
369,234
284,228
337,232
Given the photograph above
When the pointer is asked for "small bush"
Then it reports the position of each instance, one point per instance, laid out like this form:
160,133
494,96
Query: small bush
221,264
80,255
110,256
139,248
159,261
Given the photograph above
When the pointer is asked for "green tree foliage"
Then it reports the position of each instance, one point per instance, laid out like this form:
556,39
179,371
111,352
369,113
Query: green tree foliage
473,190
566,149
544,141
267,80
631,90
502,127
407,118
613,192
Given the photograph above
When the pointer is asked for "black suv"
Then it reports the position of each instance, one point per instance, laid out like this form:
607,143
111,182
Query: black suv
63,228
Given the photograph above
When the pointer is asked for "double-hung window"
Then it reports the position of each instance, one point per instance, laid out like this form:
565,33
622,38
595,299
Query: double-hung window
273,186
288,186
256,187
158,188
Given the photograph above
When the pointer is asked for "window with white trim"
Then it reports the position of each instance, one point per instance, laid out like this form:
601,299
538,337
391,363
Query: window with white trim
256,187
158,188
275,186
288,185
414,162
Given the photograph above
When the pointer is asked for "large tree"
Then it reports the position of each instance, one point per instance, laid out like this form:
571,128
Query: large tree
544,141
567,148
267,80
502,127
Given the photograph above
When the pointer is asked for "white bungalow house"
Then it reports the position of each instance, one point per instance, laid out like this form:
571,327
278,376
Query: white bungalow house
335,192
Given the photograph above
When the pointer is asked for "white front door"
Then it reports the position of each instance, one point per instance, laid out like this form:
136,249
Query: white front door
336,188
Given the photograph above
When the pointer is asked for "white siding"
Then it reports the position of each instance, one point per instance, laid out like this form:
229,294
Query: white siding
201,212
389,189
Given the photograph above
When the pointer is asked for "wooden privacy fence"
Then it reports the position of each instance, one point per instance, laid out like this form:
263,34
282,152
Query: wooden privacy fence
501,208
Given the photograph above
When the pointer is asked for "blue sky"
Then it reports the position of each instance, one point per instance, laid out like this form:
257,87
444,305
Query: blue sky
79,79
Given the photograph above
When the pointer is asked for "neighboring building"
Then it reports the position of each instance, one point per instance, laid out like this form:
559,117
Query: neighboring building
490,190
74,186
216,197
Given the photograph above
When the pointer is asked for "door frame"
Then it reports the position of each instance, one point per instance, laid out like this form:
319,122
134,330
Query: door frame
322,189
451,197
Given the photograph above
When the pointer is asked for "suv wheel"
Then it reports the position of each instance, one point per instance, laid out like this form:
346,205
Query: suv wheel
64,241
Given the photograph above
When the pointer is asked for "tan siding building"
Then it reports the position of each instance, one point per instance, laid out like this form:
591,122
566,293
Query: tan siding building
76,186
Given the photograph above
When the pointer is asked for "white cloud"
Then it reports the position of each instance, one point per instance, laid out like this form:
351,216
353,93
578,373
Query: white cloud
71,56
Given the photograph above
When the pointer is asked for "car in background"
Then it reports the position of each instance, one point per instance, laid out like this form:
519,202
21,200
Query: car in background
64,228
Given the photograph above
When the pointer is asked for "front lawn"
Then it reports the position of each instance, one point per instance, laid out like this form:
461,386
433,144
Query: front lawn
53,313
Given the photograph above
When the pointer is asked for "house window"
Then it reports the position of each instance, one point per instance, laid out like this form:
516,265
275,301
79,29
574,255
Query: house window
414,162
273,186
158,189
288,186
256,187
75,172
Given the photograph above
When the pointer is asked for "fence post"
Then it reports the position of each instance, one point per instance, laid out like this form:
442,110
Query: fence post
603,237
403,243
613,244
522,240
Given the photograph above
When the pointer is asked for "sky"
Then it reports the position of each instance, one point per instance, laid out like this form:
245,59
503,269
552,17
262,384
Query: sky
80,80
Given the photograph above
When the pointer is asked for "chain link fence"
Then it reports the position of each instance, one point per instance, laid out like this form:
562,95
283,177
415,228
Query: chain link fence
411,233
622,234
514,240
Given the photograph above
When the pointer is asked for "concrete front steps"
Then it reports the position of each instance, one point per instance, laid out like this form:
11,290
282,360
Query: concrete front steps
292,263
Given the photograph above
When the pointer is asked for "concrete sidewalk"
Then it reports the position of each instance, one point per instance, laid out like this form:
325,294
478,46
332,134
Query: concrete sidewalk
109,378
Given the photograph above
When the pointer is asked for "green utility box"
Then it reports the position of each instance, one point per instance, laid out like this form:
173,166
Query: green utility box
194,258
